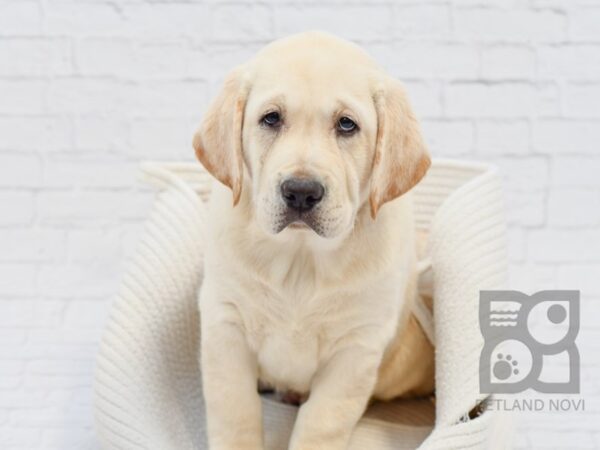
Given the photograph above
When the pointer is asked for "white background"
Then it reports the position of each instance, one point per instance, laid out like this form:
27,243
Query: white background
90,88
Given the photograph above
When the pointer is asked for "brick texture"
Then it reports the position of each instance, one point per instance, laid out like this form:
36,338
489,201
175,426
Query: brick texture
90,88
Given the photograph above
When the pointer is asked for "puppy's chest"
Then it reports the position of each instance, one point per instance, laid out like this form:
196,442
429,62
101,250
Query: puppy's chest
290,337
296,332
288,357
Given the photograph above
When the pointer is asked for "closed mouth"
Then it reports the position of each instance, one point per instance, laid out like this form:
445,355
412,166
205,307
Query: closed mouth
295,220
298,225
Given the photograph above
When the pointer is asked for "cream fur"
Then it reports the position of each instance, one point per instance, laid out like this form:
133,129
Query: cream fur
322,311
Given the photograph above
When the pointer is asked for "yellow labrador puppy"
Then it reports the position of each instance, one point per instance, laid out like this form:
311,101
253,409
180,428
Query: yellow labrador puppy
310,262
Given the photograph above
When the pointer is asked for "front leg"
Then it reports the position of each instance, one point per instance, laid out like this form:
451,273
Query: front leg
229,374
338,398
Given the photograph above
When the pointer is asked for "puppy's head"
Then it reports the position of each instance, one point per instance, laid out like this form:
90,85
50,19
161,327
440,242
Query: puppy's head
314,130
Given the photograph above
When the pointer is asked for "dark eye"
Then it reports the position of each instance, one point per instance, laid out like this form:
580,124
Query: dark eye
346,125
272,119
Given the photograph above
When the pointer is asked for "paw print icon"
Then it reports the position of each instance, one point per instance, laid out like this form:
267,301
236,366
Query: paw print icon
521,332
505,367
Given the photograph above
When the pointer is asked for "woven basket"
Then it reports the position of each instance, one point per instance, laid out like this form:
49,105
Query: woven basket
148,392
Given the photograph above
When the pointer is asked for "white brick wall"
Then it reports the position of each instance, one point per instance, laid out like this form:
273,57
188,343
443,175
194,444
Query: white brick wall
90,87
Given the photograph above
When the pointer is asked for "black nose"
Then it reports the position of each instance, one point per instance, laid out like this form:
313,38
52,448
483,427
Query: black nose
301,194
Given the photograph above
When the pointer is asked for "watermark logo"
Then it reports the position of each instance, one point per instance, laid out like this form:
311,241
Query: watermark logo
523,335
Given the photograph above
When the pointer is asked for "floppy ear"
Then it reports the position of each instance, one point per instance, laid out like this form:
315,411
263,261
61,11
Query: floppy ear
401,159
218,142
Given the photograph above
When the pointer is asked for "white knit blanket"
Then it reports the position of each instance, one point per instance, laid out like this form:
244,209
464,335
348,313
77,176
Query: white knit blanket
148,392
